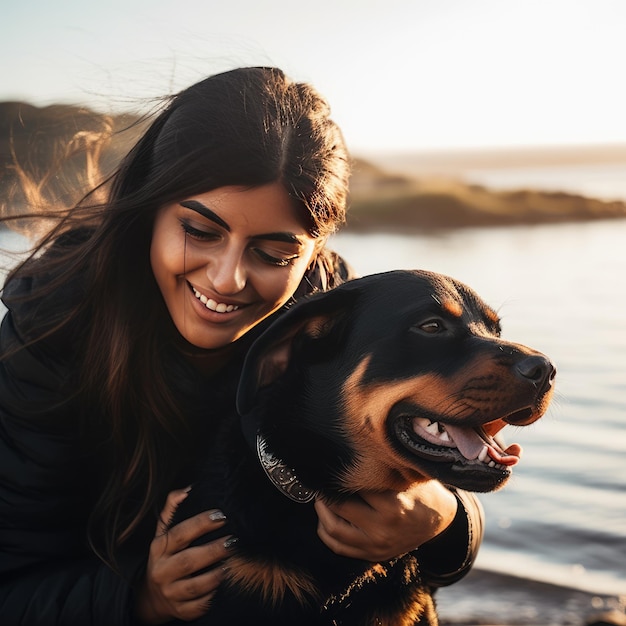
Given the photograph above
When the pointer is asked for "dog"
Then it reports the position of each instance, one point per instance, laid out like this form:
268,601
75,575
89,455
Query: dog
384,381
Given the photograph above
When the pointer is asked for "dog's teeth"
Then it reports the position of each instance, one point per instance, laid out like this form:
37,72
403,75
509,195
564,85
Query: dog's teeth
492,464
420,423
483,454
432,428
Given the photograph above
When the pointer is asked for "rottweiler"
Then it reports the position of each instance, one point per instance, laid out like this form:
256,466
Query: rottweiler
387,380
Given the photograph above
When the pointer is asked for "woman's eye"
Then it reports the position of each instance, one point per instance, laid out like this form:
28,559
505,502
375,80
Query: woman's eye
279,261
430,327
196,233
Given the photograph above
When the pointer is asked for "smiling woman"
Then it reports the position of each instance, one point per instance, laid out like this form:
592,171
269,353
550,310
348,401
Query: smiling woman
121,352
219,270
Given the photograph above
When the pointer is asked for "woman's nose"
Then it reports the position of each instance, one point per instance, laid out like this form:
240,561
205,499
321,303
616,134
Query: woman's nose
227,273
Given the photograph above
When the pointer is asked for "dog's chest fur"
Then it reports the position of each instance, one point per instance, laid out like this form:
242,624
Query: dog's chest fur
281,573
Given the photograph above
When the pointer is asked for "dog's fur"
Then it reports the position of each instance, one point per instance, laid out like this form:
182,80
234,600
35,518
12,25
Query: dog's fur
335,386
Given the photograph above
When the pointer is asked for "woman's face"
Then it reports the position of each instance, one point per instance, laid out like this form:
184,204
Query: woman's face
226,259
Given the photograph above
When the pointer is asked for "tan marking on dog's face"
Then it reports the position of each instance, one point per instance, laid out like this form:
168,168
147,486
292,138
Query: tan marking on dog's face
270,579
452,307
378,466
491,315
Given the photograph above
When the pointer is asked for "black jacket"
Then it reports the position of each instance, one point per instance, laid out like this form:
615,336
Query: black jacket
48,574
50,465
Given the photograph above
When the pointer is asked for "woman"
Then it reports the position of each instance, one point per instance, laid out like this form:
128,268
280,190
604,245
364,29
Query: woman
121,349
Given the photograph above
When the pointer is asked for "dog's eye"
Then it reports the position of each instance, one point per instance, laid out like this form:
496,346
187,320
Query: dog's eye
430,327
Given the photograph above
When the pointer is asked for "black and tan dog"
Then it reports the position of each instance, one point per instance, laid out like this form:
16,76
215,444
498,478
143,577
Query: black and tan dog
387,380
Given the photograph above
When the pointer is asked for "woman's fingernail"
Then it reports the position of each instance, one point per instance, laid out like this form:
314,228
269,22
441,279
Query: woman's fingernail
217,516
231,542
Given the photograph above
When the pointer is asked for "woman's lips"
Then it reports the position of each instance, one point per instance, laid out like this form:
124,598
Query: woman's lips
212,304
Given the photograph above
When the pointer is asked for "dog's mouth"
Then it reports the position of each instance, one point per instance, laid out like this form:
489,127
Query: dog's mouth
438,441
448,450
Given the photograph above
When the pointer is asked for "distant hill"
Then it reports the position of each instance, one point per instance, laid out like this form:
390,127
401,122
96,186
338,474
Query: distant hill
59,145
390,201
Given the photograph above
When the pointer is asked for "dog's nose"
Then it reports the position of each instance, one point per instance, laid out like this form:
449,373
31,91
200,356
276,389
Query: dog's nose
539,369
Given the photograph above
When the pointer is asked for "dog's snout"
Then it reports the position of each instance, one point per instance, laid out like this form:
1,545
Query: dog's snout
538,369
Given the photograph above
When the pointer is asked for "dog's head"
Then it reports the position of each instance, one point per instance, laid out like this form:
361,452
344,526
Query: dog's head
391,379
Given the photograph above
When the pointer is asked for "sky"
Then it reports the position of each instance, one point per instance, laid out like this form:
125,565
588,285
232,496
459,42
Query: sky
400,75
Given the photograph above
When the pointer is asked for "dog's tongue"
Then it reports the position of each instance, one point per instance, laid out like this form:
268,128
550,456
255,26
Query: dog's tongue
471,444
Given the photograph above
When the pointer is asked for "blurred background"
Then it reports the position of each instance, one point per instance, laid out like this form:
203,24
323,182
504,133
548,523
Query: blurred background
489,139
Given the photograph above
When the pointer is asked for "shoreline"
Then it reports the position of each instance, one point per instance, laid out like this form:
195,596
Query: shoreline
487,598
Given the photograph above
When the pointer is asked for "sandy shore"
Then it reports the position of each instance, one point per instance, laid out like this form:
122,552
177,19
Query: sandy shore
486,598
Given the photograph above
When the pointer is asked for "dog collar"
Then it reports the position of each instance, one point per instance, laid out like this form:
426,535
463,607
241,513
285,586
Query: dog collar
281,476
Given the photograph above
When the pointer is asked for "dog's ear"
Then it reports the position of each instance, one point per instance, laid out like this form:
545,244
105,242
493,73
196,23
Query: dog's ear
296,333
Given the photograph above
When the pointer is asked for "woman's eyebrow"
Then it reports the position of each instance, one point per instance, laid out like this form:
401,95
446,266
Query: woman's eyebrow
198,207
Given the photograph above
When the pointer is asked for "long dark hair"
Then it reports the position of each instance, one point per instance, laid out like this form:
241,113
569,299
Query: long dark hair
248,127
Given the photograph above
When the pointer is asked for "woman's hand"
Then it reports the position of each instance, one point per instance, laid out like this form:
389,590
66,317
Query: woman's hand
171,588
380,526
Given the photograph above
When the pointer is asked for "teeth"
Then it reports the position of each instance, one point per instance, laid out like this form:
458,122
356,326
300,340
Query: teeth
439,430
432,428
484,457
212,305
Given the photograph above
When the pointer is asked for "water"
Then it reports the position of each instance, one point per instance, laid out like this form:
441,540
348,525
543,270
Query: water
555,541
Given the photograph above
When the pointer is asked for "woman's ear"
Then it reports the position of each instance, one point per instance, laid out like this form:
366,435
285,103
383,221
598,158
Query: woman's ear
315,277
320,244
